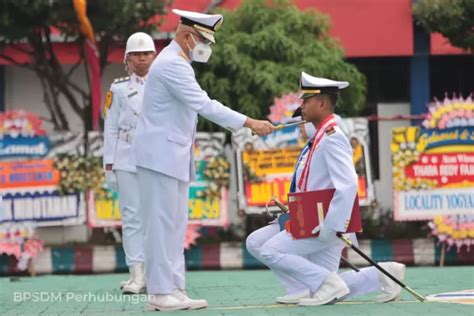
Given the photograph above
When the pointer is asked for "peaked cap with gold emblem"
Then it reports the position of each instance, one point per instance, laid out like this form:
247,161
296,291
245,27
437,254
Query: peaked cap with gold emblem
311,86
205,24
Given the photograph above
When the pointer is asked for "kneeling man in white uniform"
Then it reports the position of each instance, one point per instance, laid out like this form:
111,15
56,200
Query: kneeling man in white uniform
307,268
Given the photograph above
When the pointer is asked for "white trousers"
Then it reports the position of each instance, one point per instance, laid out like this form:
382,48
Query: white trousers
132,228
164,210
305,263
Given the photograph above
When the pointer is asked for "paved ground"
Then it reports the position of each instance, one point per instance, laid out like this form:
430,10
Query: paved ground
228,293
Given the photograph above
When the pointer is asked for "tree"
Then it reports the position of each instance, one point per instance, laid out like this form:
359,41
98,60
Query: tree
454,19
27,26
261,50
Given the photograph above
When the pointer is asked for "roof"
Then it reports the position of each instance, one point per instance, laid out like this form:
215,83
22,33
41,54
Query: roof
365,28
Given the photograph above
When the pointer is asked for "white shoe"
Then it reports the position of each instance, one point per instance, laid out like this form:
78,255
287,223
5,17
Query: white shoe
122,283
293,299
166,302
193,304
137,283
391,290
334,288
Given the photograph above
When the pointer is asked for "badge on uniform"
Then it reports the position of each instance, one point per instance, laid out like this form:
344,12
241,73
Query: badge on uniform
330,130
131,94
108,102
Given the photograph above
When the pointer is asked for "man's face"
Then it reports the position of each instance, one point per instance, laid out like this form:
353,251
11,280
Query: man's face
193,38
311,108
140,62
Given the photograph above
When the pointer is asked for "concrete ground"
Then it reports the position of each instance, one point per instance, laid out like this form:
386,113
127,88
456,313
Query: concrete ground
228,293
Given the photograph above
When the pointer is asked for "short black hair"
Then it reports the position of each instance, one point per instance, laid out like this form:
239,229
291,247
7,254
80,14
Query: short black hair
333,99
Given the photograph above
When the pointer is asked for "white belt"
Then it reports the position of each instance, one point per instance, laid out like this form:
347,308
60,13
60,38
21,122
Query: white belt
126,136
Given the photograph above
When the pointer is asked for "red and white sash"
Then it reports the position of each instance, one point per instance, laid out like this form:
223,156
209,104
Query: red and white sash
330,121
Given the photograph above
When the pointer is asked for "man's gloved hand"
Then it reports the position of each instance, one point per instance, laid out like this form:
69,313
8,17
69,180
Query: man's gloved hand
111,180
324,232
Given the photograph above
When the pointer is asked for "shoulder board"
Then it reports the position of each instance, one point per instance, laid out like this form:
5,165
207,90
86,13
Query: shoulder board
122,79
330,130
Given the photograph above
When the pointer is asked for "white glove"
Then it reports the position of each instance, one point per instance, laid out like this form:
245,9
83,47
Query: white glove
111,180
324,233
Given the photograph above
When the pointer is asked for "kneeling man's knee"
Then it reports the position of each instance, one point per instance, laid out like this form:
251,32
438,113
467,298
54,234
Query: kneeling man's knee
270,254
252,245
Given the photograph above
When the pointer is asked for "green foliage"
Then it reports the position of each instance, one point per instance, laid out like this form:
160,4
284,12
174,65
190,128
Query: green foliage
261,50
112,20
41,23
452,18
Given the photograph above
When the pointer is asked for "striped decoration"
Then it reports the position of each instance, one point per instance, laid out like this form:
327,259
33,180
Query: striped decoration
227,255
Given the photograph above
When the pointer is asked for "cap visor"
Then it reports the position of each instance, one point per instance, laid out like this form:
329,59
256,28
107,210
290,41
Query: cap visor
207,36
297,113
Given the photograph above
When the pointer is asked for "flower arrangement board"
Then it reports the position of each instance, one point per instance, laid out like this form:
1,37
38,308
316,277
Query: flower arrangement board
20,240
433,164
207,194
30,179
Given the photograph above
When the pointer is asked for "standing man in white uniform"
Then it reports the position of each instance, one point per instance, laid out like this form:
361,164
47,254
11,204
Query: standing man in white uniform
122,109
308,267
163,153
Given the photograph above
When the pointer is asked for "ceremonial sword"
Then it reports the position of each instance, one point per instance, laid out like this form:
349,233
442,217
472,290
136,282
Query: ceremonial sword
282,126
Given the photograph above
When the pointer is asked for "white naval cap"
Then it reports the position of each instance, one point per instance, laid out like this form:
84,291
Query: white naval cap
311,86
205,24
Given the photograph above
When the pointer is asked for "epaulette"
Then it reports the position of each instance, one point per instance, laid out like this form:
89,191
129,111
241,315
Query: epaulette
122,79
330,130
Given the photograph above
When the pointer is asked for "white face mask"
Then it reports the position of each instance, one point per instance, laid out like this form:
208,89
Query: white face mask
201,52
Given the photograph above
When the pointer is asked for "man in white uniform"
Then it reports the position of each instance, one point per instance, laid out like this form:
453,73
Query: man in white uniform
163,153
122,109
307,267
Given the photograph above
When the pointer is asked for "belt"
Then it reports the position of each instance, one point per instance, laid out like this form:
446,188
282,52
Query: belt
126,136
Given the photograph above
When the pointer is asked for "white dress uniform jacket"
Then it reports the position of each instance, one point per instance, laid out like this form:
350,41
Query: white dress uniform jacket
173,99
332,167
121,121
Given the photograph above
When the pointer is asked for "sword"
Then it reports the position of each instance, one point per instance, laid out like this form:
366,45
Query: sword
349,264
282,126
281,206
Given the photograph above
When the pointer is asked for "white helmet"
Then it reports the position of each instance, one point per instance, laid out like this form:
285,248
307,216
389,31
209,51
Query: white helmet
140,42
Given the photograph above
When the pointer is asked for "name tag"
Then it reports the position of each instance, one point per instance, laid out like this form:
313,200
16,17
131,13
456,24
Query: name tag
132,94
